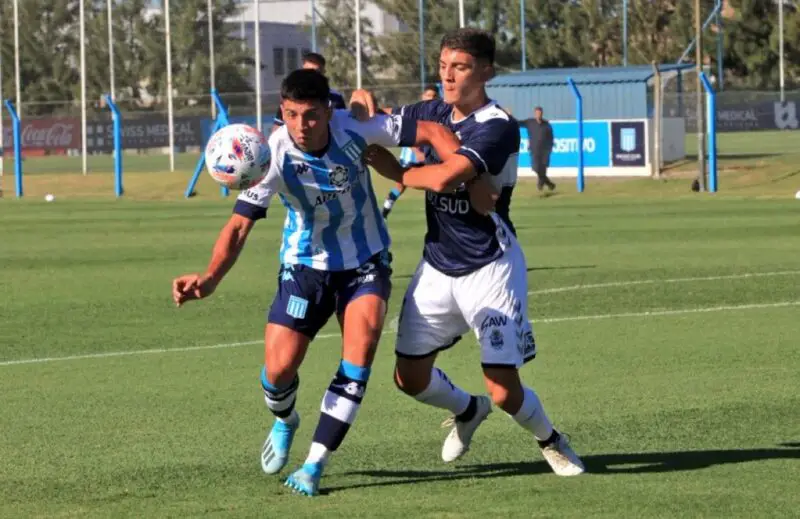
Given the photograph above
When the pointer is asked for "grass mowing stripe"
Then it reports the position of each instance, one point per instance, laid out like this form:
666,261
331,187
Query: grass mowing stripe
652,313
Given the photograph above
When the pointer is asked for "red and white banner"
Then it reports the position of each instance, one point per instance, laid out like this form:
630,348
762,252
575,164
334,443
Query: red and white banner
45,134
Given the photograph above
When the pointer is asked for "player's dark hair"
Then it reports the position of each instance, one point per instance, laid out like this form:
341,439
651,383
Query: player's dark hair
316,59
478,44
306,85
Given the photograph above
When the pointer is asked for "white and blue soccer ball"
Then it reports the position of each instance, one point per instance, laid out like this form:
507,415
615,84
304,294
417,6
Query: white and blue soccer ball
237,156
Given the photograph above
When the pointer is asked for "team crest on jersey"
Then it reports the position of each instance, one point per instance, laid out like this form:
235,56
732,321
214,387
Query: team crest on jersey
496,339
338,177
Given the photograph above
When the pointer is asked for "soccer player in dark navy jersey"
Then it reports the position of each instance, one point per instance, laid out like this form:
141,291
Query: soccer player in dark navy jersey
473,273
313,61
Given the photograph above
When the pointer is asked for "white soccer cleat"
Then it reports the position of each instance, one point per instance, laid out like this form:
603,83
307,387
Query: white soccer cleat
457,442
562,458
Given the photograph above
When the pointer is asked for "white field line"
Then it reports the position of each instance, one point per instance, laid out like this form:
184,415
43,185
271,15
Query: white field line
653,313
659,281
145,352
679,311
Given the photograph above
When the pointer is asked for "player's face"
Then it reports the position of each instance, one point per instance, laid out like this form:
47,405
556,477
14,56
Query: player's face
307,122
463,76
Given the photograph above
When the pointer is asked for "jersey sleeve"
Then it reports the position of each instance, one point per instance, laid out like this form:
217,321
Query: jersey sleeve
254,202
389,130
493,149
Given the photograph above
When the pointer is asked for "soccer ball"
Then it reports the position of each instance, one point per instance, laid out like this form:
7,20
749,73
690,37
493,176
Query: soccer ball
237,156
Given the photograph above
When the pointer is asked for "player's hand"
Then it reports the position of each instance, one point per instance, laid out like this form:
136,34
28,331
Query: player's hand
362,104
383,161
192,286
482,195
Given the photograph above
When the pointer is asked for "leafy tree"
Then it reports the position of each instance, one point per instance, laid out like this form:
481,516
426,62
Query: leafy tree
336,37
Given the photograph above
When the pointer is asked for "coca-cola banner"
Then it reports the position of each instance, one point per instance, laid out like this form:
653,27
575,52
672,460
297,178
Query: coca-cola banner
137,133
51,133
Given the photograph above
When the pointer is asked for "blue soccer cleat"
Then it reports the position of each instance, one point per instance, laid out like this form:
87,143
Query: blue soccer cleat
305,480
275,452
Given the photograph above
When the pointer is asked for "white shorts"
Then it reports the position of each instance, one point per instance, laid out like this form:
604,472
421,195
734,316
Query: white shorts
492,301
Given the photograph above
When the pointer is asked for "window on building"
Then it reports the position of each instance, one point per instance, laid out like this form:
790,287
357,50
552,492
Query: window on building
278,62
291,58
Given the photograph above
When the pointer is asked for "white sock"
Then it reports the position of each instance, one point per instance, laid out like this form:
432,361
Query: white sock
532,417
444,394
318,453
388,204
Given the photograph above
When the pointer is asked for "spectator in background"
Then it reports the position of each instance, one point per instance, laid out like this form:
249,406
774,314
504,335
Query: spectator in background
540,135
312,60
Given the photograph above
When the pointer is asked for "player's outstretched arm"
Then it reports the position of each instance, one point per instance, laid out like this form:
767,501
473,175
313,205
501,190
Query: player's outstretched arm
384,162
226,250
439,137
441,178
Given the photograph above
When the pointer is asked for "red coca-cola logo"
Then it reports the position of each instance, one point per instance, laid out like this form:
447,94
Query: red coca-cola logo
50,133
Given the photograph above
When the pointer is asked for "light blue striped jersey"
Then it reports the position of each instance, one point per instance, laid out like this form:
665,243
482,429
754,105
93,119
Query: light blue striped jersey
333,221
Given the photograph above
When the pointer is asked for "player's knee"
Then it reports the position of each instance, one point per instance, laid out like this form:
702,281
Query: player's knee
277,379
504,387
409,378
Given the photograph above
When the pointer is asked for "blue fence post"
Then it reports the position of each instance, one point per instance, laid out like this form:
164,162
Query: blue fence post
117,117
222,120
711,121
17,147
579,119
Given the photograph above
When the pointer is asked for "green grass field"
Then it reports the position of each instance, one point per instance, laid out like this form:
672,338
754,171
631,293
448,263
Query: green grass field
667,326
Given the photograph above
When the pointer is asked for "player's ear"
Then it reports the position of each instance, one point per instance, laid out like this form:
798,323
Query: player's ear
487,71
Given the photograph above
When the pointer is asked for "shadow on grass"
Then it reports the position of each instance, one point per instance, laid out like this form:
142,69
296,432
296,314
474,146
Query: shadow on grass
603,464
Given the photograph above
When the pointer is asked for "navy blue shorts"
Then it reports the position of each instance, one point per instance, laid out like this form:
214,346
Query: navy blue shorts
308,297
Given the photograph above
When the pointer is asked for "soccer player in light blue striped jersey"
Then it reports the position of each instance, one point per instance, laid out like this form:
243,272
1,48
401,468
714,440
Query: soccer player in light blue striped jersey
408,157
334,254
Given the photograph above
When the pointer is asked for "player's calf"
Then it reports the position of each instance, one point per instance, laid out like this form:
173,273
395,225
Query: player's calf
284,351
339,408
281,403
523,405
429,385
363,307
